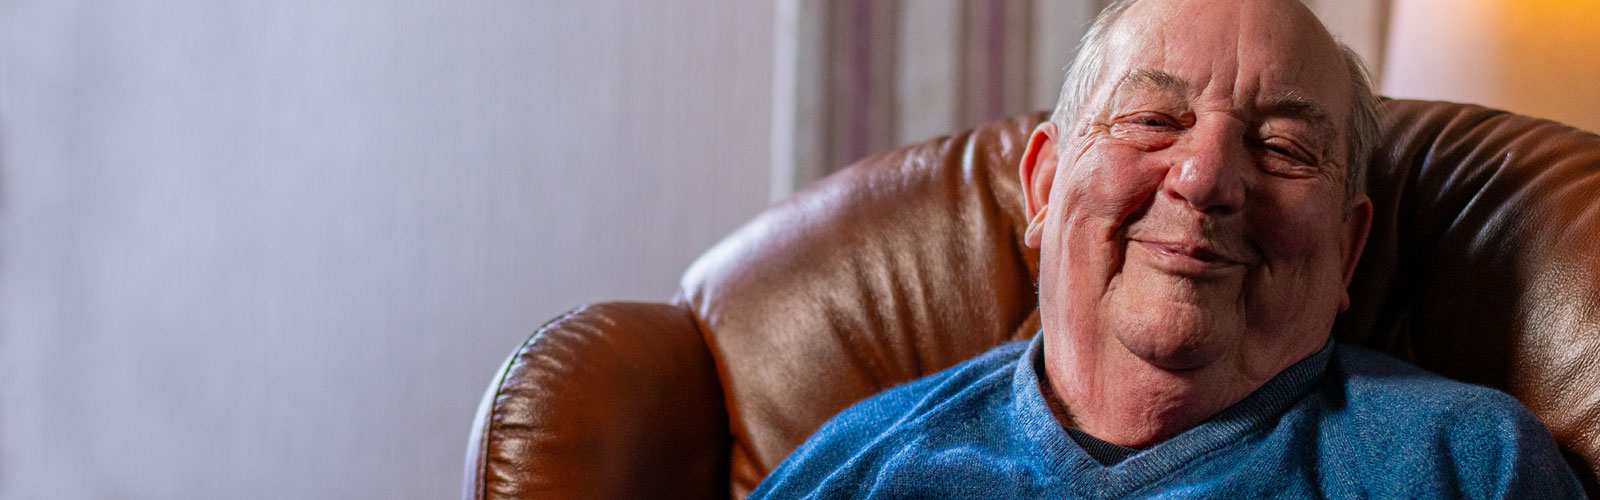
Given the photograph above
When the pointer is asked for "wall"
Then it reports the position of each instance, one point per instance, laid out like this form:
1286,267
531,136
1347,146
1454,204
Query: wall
1536,57
269,250
854,77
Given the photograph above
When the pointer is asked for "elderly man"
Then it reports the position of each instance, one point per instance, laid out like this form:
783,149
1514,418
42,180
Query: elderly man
1197,201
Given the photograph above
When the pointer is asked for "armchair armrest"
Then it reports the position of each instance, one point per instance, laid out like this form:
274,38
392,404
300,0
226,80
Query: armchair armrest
613,400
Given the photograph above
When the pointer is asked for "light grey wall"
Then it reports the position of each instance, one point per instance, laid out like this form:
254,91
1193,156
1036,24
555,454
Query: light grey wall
275,249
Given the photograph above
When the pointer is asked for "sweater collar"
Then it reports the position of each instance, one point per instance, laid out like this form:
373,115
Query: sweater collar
1048,440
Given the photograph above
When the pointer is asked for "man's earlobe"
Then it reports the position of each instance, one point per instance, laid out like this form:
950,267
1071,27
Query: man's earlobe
1033,236
1036,173
1358,225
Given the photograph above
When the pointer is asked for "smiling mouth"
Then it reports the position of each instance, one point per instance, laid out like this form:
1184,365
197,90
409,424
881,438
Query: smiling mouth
1194,260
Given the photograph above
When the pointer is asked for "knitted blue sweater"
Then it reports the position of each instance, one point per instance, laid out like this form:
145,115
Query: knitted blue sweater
1345,422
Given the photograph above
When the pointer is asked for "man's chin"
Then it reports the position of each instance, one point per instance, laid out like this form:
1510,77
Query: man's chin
1175,353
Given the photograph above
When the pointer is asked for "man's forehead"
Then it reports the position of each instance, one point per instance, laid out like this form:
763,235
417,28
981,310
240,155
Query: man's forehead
1272,55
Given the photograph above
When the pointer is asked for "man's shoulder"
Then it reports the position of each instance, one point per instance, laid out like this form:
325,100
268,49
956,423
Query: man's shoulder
1382,416
1372,378
862,438
967,383
1388,393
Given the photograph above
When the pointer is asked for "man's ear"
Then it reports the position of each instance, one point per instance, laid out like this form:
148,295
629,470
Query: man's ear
1037,172
1357,226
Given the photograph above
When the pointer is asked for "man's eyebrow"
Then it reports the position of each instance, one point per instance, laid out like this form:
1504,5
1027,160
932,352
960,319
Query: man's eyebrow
1297,106
1155,79
1289,104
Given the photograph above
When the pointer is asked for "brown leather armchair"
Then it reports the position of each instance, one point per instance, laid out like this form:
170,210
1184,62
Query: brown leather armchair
1483,265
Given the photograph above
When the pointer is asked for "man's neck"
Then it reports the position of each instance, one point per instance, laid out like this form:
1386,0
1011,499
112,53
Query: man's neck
1117,397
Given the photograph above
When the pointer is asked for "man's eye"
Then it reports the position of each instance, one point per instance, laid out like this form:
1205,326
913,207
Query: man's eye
1283,151
1147,130
1153,121
1287,150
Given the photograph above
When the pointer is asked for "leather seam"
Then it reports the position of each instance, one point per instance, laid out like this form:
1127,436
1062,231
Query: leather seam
686,301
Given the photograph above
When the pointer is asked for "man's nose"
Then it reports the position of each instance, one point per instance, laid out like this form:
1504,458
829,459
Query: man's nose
1210,172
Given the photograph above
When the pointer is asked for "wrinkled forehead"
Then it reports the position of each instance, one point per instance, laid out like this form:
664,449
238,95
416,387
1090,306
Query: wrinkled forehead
1248,53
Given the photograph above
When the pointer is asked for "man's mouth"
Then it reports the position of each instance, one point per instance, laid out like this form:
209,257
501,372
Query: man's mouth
1190,259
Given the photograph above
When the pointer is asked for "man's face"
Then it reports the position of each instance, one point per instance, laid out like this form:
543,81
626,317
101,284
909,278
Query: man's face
1195,214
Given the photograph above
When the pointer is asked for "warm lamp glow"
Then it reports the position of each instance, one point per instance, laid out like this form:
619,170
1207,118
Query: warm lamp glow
1535,57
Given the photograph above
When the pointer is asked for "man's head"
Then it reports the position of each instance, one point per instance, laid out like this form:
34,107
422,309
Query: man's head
1197,200
1081,77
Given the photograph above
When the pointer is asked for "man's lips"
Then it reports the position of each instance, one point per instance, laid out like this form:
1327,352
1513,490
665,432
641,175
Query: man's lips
1190,258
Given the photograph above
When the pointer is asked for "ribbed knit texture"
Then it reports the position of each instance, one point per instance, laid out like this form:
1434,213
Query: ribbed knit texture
1343,423
1105,452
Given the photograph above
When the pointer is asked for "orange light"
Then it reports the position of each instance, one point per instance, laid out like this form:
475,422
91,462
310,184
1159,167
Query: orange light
1535,57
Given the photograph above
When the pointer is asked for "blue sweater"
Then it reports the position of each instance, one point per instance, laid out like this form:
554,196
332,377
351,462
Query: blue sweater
1345,422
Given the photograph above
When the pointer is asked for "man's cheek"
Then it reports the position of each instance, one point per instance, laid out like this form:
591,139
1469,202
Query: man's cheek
1112,186
1106,189
1293,228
